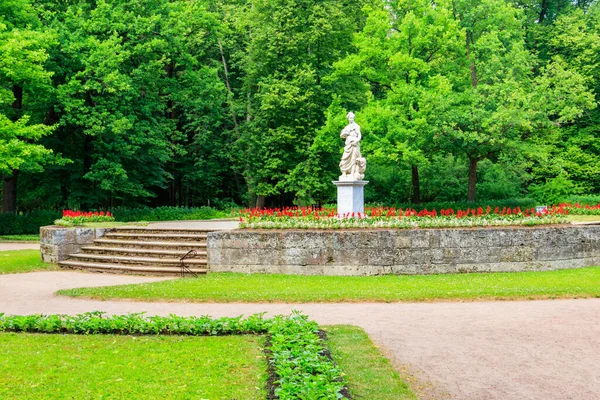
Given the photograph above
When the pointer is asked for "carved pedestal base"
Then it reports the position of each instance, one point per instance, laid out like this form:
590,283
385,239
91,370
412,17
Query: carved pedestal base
351,197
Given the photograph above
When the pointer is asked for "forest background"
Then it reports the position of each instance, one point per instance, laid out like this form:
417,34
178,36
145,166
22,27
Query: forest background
111,103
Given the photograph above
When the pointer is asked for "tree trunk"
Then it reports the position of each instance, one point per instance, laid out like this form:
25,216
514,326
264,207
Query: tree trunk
415,185
260,201
9,193
229,91
472,178
472,66
543,11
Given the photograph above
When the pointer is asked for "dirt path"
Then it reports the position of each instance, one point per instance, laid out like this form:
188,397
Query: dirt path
477,351
5,246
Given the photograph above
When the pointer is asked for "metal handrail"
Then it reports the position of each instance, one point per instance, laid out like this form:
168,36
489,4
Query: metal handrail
184,268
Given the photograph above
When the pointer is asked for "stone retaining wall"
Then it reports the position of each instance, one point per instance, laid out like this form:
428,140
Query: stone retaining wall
422,251
57,242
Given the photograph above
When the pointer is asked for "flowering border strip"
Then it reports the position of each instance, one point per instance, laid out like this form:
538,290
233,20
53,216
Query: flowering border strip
73,218
386,217
405,223
297,353
578,209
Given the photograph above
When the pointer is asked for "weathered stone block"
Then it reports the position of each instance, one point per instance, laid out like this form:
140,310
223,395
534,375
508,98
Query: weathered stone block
84,235
371,252
419,239
380,257
402,240
57,243
449,238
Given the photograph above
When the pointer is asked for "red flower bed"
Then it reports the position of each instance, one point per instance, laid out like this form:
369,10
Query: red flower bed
392,212
80,217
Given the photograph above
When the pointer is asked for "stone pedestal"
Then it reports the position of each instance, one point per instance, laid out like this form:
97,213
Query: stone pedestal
350,197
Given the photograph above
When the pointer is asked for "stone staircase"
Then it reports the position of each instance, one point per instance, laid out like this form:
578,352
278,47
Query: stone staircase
145,251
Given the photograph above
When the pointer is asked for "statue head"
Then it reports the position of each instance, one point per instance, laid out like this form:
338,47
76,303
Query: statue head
350,116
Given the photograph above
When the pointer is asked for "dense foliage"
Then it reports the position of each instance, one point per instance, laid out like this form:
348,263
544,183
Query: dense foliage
107,104
28,223
296,351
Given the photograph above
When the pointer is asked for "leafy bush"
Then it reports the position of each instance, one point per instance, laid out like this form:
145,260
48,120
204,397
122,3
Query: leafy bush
26,223
555,190
591,200
30,223
166,214
296,352
436,205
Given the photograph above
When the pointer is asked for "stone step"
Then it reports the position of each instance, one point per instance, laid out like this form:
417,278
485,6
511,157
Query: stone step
144,244
184,237
127,269
144,230
124,251
146,261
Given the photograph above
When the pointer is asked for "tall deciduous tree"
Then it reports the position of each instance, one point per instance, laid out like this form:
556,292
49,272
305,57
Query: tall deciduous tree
25,86
292,46
503,102
143,95
401,61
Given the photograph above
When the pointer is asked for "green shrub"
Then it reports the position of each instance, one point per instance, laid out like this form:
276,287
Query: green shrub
30,223
166,214
27,223
555,190
463,205
591,200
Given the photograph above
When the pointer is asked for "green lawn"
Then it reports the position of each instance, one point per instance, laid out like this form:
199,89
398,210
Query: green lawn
370,375
584,218
20,238
14,261
43,366
38,366
226,287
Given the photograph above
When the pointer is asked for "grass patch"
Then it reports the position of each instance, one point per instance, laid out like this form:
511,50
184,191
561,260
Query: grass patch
229,287
14,261
37,366
583,218
370,375
21,238
296,355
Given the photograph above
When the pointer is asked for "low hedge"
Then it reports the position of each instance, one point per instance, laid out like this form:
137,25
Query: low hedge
30,223
296,354
167,214
27,223
457,205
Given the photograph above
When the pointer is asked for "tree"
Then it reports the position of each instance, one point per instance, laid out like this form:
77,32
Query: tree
574,42
25,86
503,103
291,48
139,93
401,60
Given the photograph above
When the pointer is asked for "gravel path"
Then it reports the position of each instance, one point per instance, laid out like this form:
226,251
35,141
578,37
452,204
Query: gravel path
4,246
490,350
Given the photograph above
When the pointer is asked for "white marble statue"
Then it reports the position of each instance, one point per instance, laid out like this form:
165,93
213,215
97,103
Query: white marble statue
353,165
